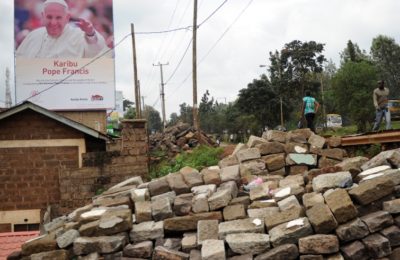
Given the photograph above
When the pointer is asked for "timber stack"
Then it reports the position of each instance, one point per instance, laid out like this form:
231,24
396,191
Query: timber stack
293,195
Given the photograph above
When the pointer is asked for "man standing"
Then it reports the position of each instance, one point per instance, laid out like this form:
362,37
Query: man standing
59,39
380,97
309,108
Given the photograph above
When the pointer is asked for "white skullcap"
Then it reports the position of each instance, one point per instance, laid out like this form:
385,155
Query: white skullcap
60,2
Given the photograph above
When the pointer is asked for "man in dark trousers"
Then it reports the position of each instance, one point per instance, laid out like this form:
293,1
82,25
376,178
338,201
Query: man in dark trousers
308,109
380,97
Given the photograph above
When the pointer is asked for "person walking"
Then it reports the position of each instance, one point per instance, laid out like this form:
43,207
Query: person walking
308,109
380,98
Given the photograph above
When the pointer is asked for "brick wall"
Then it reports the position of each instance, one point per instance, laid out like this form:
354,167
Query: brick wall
93,119
29,176
125,158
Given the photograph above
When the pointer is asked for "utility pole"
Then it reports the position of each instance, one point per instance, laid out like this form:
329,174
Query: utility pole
135,77
196,122
162,94
143,103
323,102
8,91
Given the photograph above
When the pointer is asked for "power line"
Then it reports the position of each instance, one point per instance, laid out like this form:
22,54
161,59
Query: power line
180,61
208,17
215,44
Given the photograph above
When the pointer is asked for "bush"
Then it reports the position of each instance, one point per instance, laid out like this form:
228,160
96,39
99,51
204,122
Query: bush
198,158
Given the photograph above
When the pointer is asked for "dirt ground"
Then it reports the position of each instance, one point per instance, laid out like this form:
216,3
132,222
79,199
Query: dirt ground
228,149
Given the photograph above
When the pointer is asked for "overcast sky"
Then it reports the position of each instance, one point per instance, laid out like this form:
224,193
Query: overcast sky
231,44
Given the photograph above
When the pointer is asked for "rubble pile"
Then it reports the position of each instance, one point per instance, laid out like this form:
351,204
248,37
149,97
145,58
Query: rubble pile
284,196
178,138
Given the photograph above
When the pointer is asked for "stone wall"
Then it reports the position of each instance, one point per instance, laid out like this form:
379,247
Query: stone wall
124,158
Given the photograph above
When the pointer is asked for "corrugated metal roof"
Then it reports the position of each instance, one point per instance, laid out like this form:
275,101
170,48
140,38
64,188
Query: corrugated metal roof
12,241
78,126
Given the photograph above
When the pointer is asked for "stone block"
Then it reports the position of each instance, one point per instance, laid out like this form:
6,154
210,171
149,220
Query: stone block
161,252
296,148
102,245
262,191
390,157
189,223
251,168
231,186
56,254
323,182
211,175
275,135
191,176
213,249
372,190
288,202
228,161
341,205
325,162
67,238
230,173
298,169
352,230
171,195
377,220
352,163
39,244
282,252
355,250
377,245
143,211
316,141
262,212
321,219
284,216
289,181
274,162
248,225
312,199
290,232
303,159
183,204
333,153
207,229
138,195
248,243
140,250
177,184
334,141
158,186
232,212
161,209
392,206
219,199
200,203
255,140
248,154
147,231
189,242
270,148
392,233
208,189
319,244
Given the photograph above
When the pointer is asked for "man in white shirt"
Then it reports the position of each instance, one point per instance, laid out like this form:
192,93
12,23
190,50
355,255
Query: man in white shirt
59,39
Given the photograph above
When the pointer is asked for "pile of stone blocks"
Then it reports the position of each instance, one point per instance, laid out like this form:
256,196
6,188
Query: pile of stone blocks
313,203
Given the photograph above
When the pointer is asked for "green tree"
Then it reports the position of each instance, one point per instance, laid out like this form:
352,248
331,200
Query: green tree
173,119
186,113
126,103
130,113
386,55
353,53
153,118
259,100
291,71
352,90
207,113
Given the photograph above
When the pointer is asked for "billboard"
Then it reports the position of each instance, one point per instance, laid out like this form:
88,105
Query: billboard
64,58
